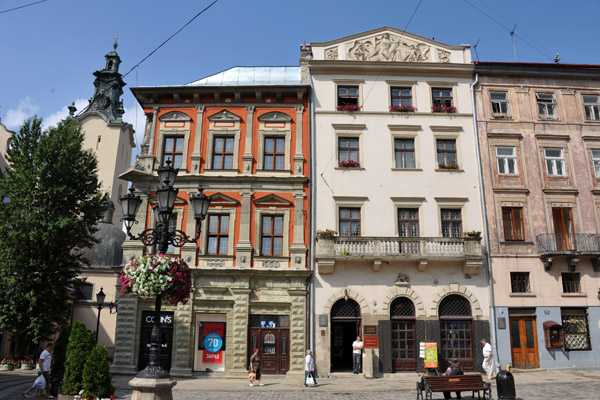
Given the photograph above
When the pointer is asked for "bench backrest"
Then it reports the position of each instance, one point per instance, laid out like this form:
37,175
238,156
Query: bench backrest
453,381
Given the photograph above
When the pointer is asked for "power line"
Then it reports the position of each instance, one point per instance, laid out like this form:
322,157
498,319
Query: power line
170,37
26,5
508,29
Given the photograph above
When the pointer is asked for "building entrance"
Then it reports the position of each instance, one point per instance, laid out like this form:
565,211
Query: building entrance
166,341
270,334
523,341
345,327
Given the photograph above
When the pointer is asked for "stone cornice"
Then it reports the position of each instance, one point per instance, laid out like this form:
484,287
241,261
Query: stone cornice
385,68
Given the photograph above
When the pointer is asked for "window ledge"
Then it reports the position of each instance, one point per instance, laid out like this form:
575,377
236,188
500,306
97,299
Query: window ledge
573,295
216,256
592,121
503,116
272,258
522,295
514,242
274,171
552,119
350,169
449,170
407,169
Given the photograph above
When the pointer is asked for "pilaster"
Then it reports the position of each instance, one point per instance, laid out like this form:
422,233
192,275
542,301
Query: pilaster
197,155
183,342
299,156
125,354
247,158
237,344
244,248
146,159
298,338
298,248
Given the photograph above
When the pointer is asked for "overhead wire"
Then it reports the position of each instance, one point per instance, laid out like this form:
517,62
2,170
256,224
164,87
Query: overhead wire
23,6
170,37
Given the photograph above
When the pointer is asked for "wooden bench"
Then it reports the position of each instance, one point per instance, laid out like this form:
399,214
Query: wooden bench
453,383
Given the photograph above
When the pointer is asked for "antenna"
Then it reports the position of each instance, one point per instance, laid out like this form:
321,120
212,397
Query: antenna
512,35
475,48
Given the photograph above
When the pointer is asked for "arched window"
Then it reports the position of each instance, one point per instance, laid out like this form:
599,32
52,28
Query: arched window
456,334
402,314
345,309
402,307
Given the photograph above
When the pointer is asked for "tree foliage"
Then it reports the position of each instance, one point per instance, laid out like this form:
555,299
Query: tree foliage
51,205
96,375
81,344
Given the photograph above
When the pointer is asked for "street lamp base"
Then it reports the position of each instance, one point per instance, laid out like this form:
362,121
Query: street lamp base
153,372
152,389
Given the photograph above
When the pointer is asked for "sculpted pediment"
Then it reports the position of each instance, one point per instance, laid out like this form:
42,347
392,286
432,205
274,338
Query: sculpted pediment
224,116
174,116
275,116
272,200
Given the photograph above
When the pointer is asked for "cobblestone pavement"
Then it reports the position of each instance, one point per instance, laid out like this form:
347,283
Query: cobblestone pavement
540,385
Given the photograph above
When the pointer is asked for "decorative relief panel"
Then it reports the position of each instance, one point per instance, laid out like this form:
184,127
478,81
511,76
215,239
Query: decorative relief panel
331,54
387,47
443,56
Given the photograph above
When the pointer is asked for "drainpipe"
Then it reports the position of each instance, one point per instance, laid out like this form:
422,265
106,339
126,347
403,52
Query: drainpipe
313,216
493,328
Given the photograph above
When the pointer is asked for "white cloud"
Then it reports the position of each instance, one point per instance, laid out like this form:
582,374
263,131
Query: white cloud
55,118
15,117
135,116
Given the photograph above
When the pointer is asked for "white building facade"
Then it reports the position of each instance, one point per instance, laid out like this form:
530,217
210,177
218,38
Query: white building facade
396,176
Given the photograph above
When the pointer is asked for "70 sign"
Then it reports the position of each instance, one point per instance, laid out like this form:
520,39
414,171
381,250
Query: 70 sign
213,343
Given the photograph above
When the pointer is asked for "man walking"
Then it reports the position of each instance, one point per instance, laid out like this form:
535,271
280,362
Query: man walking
309,368
488,361
357,347
45,361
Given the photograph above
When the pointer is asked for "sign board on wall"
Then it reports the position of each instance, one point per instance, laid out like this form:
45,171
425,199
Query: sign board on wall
370,330
430,354
371,341
214,333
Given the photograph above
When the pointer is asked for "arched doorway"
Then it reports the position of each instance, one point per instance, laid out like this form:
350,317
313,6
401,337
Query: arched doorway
345,327
402,314
456,331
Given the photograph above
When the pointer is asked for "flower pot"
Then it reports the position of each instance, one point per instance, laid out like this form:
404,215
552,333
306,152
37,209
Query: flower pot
27,366
7,367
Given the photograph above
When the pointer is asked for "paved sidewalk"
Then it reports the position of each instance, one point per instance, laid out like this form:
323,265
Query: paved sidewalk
575,384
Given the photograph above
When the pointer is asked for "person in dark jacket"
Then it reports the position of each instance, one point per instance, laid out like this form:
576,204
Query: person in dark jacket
453,369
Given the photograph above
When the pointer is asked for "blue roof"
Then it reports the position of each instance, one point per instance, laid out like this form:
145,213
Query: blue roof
252,76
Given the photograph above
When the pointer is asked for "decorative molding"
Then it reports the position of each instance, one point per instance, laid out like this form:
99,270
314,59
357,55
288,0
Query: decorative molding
271,264
455,288
403,291
351,294
443,128
443,56
402,280
547,261
331,54
387,47
174,116
224,115
219,199
275,116
405,128
215,263
272,200
349,126
573,192
572,263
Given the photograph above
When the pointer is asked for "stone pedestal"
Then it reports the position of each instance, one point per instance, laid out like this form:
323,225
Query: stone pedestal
152,389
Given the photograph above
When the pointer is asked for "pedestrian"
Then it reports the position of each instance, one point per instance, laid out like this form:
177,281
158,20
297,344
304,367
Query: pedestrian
309,368
453,369
38,385
255,369
357,347
44,362
488,360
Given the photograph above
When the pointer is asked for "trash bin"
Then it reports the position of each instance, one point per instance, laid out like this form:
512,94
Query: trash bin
505,385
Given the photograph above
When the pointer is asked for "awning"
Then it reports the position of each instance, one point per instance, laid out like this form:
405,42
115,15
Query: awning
549,324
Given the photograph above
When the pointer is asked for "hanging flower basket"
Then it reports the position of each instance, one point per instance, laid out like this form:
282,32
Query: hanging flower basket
157,274
403,108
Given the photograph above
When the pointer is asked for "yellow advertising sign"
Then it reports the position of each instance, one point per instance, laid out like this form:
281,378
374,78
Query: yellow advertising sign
431,355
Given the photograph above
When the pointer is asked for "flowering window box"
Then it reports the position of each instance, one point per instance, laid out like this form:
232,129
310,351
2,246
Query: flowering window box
348,107
448,166
403,108
443,109
349,164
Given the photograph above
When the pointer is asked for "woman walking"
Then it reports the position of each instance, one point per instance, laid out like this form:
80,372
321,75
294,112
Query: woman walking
254,369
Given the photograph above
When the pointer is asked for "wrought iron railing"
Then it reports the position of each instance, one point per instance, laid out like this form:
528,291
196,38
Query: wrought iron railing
400,246
548,243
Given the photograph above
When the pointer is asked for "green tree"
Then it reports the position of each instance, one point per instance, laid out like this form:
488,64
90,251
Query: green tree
60,352
50,208
96,375
81,344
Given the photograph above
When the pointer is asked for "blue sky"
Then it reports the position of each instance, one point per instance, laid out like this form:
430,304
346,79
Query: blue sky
50,50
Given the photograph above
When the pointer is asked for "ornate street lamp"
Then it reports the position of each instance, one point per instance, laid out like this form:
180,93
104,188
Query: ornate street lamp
161,236
100,296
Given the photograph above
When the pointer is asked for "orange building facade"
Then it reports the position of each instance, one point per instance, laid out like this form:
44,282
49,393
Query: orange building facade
243,135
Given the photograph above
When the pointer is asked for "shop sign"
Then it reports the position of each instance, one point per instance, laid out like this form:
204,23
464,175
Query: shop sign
212,358
371,341
431,354
213,342
166,319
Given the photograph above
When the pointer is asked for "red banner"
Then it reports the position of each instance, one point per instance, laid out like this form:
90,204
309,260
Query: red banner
214,327
371,341
212,358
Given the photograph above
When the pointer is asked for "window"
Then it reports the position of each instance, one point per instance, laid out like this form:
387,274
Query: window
347,149
218,234
546,105
173,151
512,218
347,95
408,222
404,151
223,152
555,162
84,291
596,161
401,96
349,221
591,104
507,160
272,235
441,97
571,282
451,222
446,153
274,153
519,282
499,102
575,325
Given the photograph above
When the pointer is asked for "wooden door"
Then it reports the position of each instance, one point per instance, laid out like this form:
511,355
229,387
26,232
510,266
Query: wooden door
564,228
403,346
523,340
273,346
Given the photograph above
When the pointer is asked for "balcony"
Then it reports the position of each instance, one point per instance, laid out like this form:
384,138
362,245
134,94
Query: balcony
572,246
419,249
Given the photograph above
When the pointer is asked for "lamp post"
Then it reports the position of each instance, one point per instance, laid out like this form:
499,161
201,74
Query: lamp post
100,296
161,236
